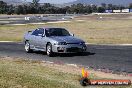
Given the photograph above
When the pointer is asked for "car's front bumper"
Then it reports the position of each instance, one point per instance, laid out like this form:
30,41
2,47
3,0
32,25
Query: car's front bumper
70,48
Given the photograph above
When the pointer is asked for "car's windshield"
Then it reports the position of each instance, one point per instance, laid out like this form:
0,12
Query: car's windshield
56,32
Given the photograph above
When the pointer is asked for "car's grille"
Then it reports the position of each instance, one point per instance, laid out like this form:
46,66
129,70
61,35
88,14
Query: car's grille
73,49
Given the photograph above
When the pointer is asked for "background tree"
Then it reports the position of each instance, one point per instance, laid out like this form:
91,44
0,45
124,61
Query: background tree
101,10
47,8
3,7
110,7
130,5
35,2
103,5
94,8
19,10
87,9
10,9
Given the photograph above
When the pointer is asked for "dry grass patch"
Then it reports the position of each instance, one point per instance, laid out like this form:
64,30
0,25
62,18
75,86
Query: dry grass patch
92,31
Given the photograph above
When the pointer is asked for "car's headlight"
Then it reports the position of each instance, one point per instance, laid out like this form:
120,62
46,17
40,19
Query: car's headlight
62,43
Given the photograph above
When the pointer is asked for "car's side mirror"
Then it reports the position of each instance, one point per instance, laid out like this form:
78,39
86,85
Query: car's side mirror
72,34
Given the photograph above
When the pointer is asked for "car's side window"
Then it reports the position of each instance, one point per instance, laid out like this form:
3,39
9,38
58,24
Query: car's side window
38,32
35,32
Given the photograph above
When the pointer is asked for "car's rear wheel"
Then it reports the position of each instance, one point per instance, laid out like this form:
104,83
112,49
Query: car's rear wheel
49,50
27,47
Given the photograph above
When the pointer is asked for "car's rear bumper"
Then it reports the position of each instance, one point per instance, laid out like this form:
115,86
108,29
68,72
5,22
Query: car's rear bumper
74,48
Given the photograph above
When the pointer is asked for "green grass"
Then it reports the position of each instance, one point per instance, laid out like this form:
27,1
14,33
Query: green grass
91,30
27,74
16,73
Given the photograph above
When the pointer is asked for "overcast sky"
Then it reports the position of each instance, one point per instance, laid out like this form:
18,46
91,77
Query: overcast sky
54,1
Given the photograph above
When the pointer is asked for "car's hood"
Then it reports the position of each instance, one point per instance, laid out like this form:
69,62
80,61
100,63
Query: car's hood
67,39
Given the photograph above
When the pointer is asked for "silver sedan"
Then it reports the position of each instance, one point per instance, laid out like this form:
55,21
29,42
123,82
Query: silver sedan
53,40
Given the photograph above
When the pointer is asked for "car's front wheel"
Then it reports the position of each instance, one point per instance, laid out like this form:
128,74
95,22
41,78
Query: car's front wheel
27,47
49,50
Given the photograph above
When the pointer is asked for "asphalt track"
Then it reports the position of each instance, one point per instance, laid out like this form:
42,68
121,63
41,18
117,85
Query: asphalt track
115,58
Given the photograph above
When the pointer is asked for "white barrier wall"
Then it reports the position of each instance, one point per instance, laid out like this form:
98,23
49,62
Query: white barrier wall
125,10
116,11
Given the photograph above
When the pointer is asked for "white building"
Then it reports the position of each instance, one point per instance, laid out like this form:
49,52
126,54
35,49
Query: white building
125,10
116,11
